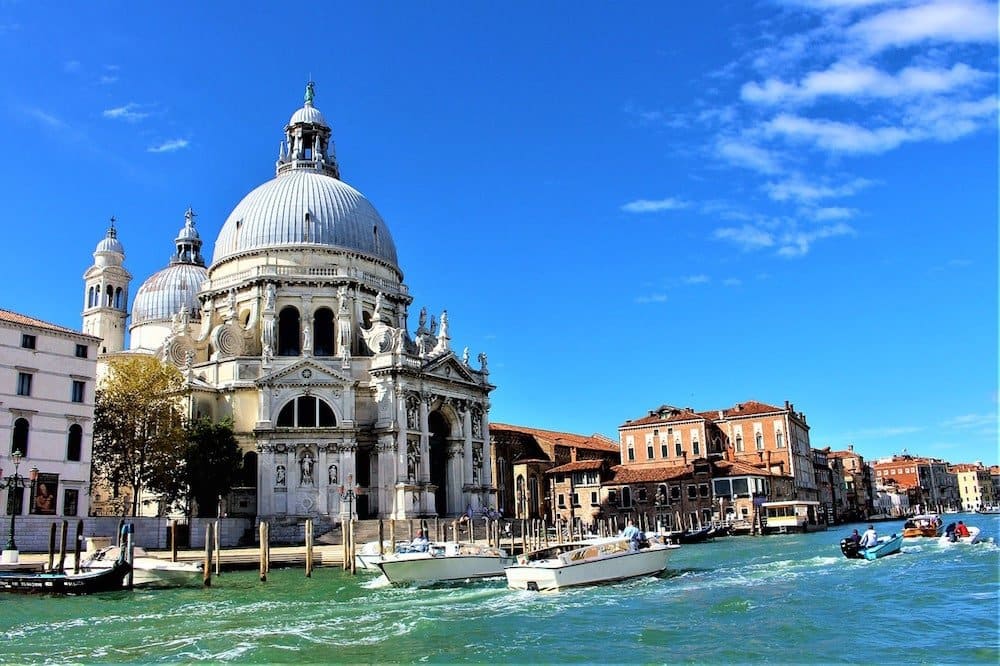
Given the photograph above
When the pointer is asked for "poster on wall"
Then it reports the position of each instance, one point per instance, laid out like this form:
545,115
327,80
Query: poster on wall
43,494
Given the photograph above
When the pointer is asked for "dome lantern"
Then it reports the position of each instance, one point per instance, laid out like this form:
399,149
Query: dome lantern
308,143
188,242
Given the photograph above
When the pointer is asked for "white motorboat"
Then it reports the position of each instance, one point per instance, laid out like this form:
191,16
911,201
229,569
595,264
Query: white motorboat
444,561
587,563
367,556
148,571
951,537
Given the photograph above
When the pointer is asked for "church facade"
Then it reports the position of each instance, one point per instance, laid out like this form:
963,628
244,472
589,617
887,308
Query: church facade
298,330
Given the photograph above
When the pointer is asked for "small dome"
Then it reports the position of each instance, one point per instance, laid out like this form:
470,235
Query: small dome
303,207
163,295
188,233
110,242
308,114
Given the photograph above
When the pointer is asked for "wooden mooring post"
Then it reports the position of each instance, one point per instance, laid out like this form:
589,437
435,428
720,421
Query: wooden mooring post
354,563
309,547
62,546
173,540
76,547
218,548
207,565
263,551
381,537
52,545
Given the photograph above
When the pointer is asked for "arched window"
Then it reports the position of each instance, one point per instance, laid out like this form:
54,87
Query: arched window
74,443
20,439
118,298
323,332
90,297
626,497
248,474
306,411
289,340
760,441
739,443
501,482
109,296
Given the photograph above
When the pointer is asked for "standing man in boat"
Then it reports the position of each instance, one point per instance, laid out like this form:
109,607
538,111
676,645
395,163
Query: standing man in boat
631,532
869,538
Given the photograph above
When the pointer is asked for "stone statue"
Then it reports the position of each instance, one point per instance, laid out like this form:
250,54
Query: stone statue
377,314
434,326
307,342
444,324
331,475
306,469
270,293
279,475
482,361
422,322
465,356
342,298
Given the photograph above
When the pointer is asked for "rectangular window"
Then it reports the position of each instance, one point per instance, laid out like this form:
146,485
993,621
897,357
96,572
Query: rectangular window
24,383
678,448
631,454
664,449
649,452
695,448
81,352
692,491
71,501
78,389
562,501
593,498
27,341
576,499
780,440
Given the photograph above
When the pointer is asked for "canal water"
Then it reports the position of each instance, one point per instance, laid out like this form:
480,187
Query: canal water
780,599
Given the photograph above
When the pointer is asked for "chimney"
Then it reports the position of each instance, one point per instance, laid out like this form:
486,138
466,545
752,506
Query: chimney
787,406
767,458
850,447
572,454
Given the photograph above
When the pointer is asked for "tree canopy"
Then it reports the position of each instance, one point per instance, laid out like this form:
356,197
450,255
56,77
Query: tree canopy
212,463
139,435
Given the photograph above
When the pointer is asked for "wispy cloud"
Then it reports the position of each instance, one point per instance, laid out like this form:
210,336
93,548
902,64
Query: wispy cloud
832,213
651,298
747,237
654,206
44,117
960,21
696,279
796,243
742,153
797,188
971,422
131,112
884,431
72,66
169,146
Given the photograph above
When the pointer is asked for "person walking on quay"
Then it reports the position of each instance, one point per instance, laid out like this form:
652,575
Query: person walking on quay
869,538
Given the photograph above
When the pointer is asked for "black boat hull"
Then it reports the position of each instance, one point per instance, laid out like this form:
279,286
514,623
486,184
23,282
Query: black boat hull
105,580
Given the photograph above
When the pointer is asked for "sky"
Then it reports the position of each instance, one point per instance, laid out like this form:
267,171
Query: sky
624,205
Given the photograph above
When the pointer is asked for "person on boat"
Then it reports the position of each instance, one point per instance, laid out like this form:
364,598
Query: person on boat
949,531
855,538
961,530
869,538
420,542
631,532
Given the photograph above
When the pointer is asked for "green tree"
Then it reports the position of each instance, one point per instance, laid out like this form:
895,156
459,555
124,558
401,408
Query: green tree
212,463
139,438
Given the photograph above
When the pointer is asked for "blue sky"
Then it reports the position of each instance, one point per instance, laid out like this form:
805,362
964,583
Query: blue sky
624,205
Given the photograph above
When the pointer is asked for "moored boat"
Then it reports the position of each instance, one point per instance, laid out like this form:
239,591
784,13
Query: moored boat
988,509
924,525
148,571
887,545
586,563
444,561
62,582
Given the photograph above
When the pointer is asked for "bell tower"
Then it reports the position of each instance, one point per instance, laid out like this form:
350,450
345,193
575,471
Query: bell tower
105,293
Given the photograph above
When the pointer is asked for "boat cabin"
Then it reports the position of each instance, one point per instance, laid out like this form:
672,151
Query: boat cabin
791,516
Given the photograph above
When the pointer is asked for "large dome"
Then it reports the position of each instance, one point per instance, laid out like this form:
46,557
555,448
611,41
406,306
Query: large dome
305,207
167,291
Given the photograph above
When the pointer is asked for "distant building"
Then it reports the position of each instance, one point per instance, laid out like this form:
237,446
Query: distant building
522,456
857,483
975,486
47,379
929,483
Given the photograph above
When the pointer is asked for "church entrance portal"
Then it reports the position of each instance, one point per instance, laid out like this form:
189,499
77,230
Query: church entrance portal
438,426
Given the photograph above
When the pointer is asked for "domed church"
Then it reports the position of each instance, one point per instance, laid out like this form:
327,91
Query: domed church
299,331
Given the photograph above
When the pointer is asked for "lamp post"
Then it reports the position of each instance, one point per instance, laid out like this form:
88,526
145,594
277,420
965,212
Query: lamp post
348,495
13,484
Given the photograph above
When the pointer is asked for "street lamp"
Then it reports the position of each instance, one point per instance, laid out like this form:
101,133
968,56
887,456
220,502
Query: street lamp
348,495
13,484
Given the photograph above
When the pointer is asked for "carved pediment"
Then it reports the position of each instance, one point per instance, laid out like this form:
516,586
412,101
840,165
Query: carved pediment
306,372
449,368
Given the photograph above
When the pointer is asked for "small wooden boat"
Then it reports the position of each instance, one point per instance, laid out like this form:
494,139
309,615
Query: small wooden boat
887,545
444,561
989,510
924,525
55,582
694,536
587,563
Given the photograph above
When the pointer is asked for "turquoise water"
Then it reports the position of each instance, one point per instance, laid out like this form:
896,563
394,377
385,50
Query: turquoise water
781,599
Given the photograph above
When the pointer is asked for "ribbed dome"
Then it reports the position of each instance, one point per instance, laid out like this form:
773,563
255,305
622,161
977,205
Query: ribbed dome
166,292
110,244
305,207
308,114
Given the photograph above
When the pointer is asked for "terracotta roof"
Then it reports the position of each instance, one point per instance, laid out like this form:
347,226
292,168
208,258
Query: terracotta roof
628,474
578,466
966,467
844,454
24,320
751,407
665,414
737,468
596,442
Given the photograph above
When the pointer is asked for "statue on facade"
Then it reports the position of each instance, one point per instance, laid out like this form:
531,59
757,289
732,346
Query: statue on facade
270,294
434,327
444,324
465,356
422,322
482,362
412,460
377,314
279,475
331,475
307,342
306,469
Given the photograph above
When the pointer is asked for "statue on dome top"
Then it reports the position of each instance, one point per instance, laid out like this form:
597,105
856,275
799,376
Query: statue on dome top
310,92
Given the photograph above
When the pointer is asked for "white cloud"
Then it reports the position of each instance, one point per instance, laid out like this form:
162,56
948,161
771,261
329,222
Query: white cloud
960,21
796,243
853,80
652,298
654,206
105,79
732,282
44,117
741,153
971,421
836,136
696,279
169,146
747,237
129,112
797,188
832,213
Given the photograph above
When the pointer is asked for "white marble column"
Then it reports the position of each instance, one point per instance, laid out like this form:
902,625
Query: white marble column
467,473
424,475
321,477
486,478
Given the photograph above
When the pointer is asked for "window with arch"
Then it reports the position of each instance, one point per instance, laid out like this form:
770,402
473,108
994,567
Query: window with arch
109,296
695,448
323,332
91,298
739,443
779,440
289,336
119,304
759,439
19,442
501,482
306,411
74,443
626,497
678,448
